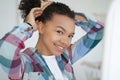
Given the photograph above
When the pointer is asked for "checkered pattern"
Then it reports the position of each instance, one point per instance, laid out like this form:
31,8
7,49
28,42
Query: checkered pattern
30,65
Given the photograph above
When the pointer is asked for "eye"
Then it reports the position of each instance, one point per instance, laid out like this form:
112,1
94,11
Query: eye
71,36
60,32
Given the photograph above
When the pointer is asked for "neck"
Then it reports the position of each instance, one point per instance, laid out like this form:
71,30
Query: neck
41,48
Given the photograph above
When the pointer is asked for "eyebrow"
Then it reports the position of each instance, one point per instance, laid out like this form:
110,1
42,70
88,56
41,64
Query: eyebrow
61,28
64,29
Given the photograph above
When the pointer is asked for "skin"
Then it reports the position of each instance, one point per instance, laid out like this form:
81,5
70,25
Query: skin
81,18
55,35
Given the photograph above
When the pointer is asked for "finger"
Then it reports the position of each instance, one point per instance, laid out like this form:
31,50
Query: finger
45,4
37,14
45,0
36,11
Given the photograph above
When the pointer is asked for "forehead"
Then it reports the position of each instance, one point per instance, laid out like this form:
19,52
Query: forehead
64,21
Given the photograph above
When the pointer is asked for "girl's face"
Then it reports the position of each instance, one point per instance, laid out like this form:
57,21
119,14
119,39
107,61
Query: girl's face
56,35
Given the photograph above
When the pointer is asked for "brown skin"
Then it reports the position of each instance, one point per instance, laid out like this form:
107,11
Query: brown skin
35,12
81,18
56,34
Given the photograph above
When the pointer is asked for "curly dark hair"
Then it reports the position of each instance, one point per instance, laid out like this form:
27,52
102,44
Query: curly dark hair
26,5
54,8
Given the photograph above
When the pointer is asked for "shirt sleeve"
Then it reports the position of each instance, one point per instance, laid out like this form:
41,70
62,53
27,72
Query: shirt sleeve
94,33
10,47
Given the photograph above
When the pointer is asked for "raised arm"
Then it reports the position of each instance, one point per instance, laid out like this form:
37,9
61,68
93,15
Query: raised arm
11,44
94,33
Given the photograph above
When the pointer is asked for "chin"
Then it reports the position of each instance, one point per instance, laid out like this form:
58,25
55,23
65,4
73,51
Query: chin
57,54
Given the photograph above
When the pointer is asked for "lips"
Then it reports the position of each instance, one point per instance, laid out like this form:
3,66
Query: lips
59,48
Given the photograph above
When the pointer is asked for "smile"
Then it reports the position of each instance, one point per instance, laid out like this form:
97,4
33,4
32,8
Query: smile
59,48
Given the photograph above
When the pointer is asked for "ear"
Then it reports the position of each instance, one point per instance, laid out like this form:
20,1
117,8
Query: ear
40,27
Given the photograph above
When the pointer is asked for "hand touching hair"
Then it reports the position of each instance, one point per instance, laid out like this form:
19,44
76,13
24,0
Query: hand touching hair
25,6
31,9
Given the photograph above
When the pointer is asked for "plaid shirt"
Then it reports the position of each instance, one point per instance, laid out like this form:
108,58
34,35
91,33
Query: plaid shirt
30,65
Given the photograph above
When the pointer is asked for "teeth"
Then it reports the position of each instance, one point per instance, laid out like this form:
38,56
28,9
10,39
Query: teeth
60,47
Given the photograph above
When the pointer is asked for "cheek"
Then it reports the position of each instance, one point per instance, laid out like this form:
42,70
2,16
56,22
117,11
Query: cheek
54,38
50,37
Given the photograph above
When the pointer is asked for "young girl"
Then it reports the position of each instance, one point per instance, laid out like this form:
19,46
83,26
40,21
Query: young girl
53,56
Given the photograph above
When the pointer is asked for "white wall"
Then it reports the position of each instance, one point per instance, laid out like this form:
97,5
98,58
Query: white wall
8,16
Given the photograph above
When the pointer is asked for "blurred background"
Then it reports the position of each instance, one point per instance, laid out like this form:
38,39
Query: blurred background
88,67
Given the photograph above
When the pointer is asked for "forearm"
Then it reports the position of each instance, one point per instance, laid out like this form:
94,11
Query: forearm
94,33
86,23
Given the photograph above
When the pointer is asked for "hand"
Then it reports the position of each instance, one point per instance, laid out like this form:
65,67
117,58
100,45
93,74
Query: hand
45,3
35,12
80,17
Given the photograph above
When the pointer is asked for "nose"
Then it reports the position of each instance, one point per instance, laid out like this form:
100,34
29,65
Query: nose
66,41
